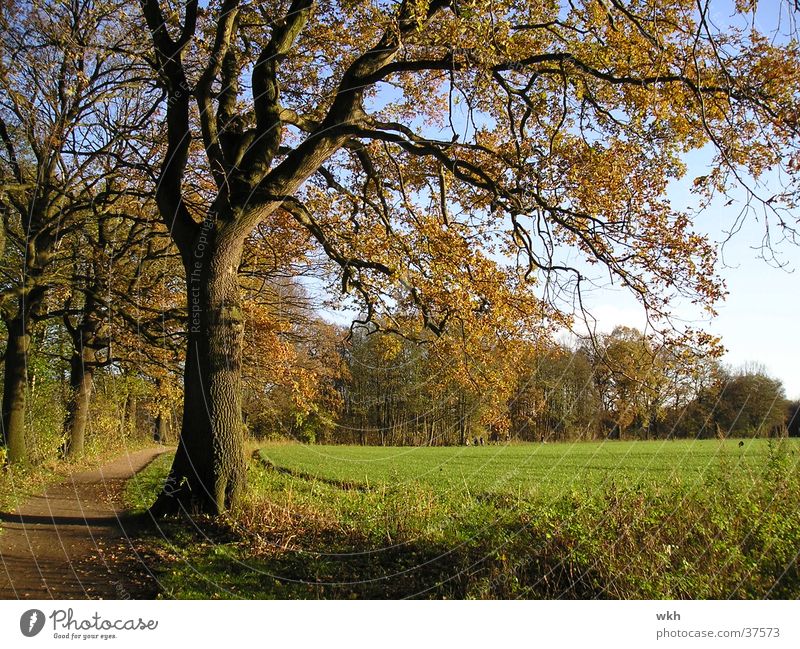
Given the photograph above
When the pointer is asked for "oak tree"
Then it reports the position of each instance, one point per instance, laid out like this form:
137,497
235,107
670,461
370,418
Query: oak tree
443,153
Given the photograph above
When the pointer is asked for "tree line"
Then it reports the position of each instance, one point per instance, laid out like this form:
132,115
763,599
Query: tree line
374,388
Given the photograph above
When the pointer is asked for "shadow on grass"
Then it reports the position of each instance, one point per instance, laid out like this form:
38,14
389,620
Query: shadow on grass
200,558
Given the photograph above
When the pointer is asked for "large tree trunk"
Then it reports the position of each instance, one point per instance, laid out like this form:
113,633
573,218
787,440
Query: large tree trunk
209,470
15,388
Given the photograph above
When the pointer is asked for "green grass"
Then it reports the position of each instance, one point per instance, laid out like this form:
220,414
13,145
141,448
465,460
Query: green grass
141,490
528,469
619,520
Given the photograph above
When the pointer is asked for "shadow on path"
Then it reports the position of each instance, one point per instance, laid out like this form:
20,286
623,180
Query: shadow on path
74,541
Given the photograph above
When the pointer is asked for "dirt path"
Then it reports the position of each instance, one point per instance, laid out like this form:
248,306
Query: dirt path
73,541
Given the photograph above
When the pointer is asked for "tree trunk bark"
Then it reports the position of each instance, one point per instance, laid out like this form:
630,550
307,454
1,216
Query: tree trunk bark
209,470
82,366
80,383
160,433
15,388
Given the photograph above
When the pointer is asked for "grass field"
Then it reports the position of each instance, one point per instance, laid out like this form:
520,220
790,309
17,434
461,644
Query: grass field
702,519
530,470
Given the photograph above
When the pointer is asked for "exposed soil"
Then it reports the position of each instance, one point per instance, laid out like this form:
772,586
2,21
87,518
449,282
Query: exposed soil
75,541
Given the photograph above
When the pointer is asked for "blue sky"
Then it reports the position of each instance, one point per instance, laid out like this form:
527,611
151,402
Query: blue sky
757,322
759,318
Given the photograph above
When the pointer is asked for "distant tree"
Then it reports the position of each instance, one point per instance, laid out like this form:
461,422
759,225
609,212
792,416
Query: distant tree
117,307
400,390
748,403
292,363
793,418
632,377
555,395
751,404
